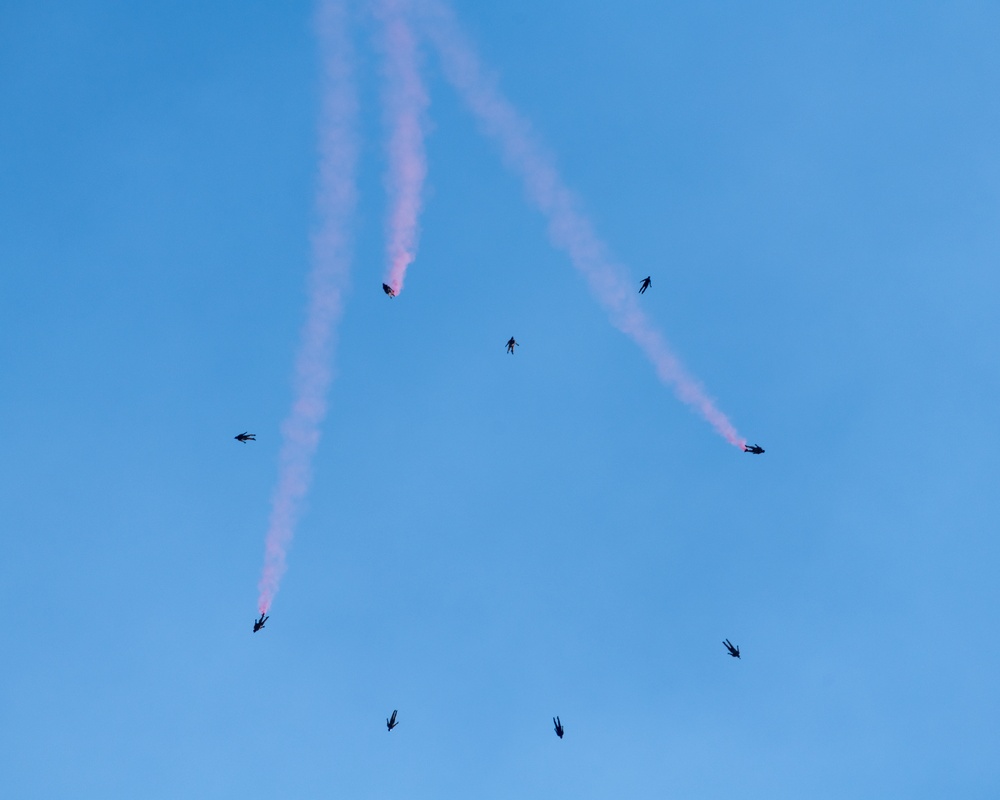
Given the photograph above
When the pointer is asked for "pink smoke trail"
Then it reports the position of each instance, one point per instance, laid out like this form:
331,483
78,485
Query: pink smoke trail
568,228
328,279
405,104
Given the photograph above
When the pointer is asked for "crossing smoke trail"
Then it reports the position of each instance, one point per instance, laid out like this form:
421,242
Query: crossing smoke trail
405,104
568,228
328,280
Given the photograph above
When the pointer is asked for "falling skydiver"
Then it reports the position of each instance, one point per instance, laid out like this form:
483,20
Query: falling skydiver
511,344
646,283
245,437
733,651
756,449
391,723
388,290
560,730
259,623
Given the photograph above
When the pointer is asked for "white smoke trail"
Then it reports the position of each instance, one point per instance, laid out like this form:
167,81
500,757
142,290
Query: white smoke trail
328,282
405,105
569,229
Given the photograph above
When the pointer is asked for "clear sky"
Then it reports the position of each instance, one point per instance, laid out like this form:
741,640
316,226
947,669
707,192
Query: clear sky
494,540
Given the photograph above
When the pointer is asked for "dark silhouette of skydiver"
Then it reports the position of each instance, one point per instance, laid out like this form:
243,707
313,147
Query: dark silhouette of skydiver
756,449
733,651
259,623
646,283
511,344
391,723
560,730
246,437
388,290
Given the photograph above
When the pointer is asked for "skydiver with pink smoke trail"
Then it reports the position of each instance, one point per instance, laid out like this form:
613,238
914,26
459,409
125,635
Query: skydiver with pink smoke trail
405,101
328,280
569,229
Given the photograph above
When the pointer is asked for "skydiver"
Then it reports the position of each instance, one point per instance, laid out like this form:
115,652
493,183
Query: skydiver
733,651
246,437
511,344
646,283
391,722
259,623
388,290
756,449
560,730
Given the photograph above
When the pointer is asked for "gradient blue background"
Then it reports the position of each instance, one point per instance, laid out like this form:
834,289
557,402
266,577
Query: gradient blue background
492,540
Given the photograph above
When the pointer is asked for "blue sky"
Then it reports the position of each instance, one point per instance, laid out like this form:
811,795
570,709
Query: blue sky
491,541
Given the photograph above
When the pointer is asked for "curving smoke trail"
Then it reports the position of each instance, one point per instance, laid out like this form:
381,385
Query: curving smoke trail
406,101
328,279
568,228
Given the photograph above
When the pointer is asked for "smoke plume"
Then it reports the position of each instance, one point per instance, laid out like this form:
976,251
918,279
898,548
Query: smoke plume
327,284
568,228
405,100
